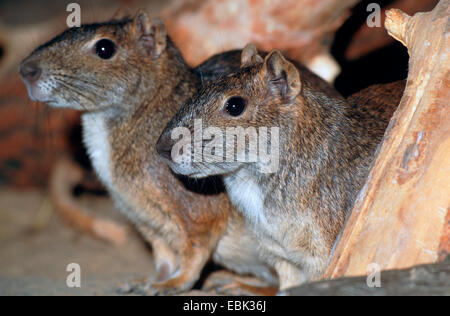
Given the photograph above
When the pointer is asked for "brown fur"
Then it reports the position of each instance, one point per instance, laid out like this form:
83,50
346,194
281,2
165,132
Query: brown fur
326,149
130,98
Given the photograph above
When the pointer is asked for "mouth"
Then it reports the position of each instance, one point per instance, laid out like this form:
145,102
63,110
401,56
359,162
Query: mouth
36,95
183,169
195,175
33,92
51,102
193,172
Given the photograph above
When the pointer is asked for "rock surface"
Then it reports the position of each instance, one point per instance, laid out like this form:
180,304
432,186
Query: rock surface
303,29
433,279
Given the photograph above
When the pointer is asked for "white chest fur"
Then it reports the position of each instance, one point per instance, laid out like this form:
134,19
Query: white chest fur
246,195
95,137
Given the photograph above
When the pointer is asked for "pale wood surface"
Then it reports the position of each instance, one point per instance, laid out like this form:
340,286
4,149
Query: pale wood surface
401,216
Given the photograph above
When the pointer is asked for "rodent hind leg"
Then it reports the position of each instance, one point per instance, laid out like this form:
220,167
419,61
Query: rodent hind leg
191,265
228,283
166,265
173,275
166,261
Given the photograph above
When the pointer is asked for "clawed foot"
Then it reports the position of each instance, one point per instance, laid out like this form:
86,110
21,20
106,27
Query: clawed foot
226,283
146,287
221,283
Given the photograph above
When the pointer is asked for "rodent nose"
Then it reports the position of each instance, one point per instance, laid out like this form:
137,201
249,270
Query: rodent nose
164,146
30,71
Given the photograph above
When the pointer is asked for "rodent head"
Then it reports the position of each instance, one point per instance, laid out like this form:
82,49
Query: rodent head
263,94
97,66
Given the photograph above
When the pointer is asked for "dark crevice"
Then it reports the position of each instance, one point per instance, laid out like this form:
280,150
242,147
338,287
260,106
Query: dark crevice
384,65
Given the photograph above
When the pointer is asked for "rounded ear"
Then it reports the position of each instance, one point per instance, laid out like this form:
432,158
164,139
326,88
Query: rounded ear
121,14
160,36
151,37
249,56
281,75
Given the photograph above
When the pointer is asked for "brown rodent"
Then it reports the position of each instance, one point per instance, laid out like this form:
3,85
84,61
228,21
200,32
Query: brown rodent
326,147
129,79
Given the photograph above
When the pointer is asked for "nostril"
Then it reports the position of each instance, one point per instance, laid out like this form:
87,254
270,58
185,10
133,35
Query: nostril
30,71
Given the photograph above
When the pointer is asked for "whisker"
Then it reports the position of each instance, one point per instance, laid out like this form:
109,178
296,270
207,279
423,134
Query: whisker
76,82
89,82
76,91
201,78
212,168
76,88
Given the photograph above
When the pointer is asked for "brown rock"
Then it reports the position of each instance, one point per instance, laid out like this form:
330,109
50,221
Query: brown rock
303,29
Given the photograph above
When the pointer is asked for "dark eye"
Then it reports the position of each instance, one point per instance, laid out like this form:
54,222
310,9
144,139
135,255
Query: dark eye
105,49
235,106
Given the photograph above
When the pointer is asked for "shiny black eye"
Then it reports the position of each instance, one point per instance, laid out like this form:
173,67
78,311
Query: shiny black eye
235,106
105,49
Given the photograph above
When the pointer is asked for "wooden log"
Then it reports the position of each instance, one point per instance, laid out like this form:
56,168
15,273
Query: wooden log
400,218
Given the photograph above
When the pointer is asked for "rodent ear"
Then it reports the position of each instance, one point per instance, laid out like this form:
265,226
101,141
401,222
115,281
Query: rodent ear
281,75
249,56
151,37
